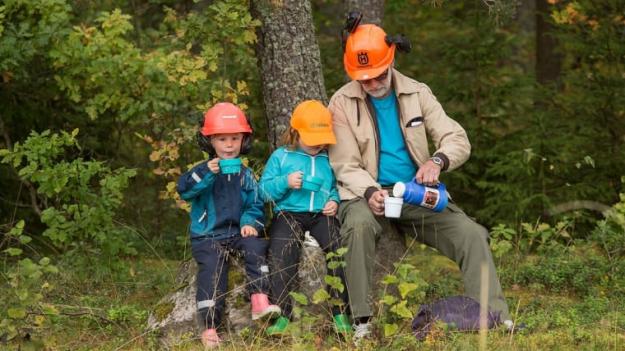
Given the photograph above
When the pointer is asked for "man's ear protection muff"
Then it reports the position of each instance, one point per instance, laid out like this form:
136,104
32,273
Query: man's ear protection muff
351,23
401,42
204,141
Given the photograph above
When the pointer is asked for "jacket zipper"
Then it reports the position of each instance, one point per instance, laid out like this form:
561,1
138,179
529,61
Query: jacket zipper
374,120
403,132
312,193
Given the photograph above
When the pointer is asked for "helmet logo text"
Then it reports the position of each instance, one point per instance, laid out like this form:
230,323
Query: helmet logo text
363,58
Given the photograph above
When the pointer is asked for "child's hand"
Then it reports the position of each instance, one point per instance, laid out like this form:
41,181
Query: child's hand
330,208
248,230
295,180
213,165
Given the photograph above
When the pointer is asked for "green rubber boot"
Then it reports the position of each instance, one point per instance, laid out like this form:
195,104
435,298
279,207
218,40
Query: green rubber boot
278,327
341,324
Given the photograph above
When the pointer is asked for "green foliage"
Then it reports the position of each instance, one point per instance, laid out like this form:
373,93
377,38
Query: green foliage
26,283
82,196
530,238
610,232
405,290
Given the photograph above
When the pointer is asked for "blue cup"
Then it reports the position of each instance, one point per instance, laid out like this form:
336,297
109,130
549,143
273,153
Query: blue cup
230,166
312,183
433,197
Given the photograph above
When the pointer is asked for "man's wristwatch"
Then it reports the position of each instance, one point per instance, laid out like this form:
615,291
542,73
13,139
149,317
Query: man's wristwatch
438,161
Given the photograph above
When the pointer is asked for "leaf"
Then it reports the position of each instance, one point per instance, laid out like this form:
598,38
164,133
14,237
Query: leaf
320,295
342,251
334,282
155,156
389,299
25,239
390,279
299,298
16,313
13,251
406,288
401,310
390,329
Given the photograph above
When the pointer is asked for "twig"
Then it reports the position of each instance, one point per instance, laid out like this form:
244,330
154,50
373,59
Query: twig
29,185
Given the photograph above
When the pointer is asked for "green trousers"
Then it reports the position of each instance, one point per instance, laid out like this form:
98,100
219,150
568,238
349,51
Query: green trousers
451,232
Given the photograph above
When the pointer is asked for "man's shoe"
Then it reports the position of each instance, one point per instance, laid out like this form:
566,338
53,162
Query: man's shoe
514,327
362,331
261,308
341,324
278,327
210,339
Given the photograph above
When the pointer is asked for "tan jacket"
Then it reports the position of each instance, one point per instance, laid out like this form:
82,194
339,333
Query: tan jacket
355,156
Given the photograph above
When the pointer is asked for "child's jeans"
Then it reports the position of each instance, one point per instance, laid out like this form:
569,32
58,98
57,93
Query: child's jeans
212,276
285,242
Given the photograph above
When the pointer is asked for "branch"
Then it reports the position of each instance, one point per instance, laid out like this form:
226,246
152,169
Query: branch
31,189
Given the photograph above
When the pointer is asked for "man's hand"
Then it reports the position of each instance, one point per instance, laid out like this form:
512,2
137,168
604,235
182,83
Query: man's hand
330,208
213,165
295,180
248,230
376,202
428,173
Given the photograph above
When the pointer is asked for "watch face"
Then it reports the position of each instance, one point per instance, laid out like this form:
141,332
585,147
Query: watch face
437,160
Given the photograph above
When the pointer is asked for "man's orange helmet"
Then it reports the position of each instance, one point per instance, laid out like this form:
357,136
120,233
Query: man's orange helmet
367,53
225,118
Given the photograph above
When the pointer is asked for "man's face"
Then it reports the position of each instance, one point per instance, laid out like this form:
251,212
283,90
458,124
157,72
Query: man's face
227,145
379,86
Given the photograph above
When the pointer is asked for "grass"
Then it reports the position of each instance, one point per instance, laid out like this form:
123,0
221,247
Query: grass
101,310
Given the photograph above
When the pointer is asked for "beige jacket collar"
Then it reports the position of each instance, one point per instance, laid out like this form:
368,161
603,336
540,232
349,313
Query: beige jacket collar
401,85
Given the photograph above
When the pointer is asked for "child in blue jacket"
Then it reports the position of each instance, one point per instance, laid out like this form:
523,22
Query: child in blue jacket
299,183
226,214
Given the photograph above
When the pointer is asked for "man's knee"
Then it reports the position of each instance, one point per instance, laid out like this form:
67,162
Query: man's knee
360,228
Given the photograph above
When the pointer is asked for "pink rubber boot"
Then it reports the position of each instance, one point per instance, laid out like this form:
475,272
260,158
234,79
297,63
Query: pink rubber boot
261,307
210,339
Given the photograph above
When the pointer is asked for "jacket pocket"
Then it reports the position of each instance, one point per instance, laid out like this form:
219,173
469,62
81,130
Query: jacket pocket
415,122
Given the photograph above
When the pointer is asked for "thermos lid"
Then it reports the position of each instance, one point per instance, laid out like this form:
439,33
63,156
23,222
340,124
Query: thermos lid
398,189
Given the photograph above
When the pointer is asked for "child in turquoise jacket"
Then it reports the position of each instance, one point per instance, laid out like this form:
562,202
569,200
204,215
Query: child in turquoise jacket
299,183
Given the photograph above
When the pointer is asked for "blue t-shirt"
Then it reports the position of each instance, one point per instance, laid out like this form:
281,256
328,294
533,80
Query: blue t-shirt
395,162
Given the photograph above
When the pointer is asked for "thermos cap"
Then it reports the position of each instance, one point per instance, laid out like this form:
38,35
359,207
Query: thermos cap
399,189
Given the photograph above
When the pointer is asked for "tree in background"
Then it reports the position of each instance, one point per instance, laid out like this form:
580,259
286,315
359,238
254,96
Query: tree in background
289,60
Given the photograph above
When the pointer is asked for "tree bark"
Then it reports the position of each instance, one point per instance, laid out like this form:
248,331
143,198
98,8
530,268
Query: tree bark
289,60
372,10
548,61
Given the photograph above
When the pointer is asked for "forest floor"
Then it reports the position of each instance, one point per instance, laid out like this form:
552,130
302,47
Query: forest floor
112,315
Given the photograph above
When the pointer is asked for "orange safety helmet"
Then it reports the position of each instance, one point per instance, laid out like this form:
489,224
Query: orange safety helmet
224,118
367,53
313,122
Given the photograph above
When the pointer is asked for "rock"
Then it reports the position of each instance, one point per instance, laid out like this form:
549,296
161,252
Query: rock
175,314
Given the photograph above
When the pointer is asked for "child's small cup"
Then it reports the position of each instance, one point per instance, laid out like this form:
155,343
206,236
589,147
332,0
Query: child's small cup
230,166
312,183
392,206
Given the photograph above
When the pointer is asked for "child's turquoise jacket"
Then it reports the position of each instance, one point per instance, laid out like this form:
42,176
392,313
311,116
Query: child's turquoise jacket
221,204
274,183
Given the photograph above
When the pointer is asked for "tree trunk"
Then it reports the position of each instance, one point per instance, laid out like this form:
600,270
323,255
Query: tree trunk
372,10
289,60
548,61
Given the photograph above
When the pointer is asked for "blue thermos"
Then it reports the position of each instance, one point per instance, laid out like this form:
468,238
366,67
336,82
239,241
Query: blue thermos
434,198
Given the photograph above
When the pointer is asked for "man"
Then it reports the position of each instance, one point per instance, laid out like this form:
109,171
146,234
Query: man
382,120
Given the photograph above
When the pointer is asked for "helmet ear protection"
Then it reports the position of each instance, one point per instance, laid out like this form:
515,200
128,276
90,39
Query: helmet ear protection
352,21
204,141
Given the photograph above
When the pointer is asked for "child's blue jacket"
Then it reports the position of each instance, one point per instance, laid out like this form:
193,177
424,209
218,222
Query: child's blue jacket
274,183
221,204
